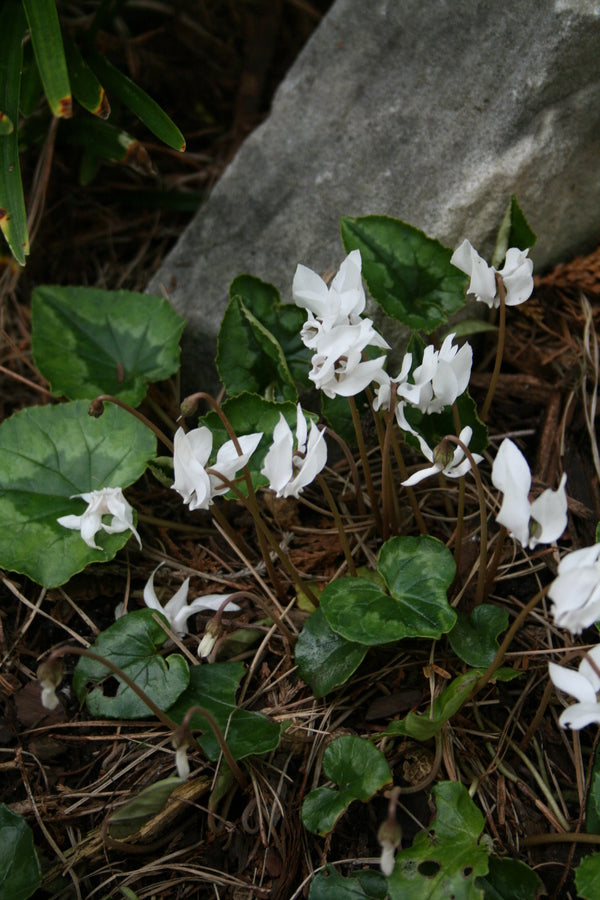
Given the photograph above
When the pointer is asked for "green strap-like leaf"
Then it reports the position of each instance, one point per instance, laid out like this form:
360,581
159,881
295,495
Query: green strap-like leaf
13,217
86,88
138,101
46,38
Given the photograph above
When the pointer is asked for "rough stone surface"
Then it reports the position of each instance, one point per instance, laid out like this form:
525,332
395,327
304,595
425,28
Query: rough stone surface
433,111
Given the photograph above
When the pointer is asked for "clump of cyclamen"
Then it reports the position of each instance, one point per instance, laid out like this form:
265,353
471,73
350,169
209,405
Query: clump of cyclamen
336,331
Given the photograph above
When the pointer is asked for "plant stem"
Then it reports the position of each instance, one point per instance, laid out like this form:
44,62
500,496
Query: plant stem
412,497
362,510
235,769
338,521
499,349
365,463
96,408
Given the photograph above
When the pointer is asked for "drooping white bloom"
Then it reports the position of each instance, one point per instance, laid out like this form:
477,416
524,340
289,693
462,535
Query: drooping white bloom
584,686
516,275
448,458
106,502
177,610
290,470
540,522
191,454
576,590
50,674
339,304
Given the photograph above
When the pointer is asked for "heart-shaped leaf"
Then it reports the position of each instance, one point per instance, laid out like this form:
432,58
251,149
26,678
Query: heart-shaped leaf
475,639
48,454
364,884
444,860
358,768
20,873
418,572
510,879
587,877
408,273
132,644
325,659
130,818
213,688
87,341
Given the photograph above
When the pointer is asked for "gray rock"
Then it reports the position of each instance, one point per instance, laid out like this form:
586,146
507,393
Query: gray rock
433,111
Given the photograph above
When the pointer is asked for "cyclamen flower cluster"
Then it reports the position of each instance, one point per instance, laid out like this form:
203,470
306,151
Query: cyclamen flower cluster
336,331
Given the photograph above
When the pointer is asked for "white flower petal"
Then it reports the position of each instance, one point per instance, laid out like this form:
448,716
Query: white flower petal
571,682
579,715
549,511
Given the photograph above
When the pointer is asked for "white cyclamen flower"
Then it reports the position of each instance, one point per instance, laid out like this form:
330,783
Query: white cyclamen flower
290,470
190,461
177,610
447,458
584,686
576,590
338,368
540,522
516,275
339,304
106,502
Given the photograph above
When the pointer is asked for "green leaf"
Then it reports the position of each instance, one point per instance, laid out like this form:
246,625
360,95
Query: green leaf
364,884
468,326
47,454
137,100
592,805
418,572
6,125
325,659
46,38
446,859
587,877
86,88
249,414
510,879
408,273
359,770
421,728
128,819
87,341
31,90
259,346
214,687
513,232
475,639
20,873
13,217
131,643
102,141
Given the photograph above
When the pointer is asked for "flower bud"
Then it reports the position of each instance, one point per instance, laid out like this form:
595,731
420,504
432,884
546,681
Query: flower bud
212,634
188,405
443,454
390,837
180,742
50,674
96,408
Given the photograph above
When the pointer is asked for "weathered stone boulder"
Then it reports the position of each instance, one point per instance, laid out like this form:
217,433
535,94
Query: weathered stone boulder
427,110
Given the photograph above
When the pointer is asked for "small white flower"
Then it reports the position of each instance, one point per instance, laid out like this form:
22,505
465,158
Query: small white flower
339,304
338,368
190,461
289,471
540,522
447,458
576,590
177,611
106,502
516,275
584,686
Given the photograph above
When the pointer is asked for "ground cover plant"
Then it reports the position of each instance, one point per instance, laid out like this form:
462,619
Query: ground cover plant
317,637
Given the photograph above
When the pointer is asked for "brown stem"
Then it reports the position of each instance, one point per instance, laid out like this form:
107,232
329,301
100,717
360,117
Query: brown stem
235,769
499,350
338,521
96,408
365,463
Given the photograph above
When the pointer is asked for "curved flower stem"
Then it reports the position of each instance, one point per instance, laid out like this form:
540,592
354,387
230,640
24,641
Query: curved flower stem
362,510
387,486
493,566
565,837
535,722
365,463
235,769
96,408
481,574
97,657
338,521
499,349
460,521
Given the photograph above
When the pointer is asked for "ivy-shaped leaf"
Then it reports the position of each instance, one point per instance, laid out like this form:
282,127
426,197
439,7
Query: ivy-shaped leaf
475,639
358,768
446,859
587,877
48,454
132,643
408,273
214,688
20,873
363,884
325,659
87,341
510,879
423,727
417,572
